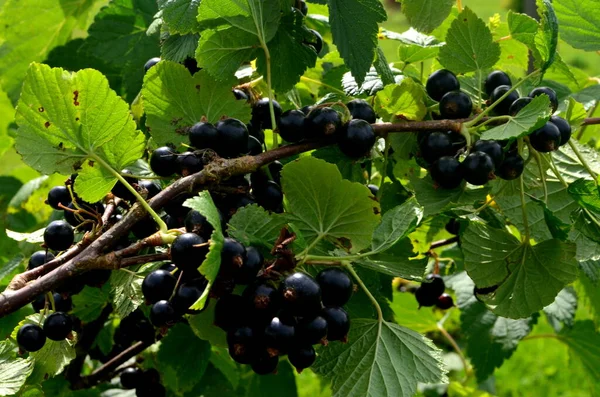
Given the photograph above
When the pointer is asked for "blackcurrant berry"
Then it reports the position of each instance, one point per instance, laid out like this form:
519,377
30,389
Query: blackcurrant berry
494,80
59,235
175,206
188,293
242,344
291,125
491,148
151,62
172,222
239,94
197,223
374,189
96,277
306,109
39,303
512,167
254,146
356,139
261,114
425,298
312,331
150,390
503,108
231,311
38,258
162,314
265,364
163,161
131,378
434,284
444,302
204,136
189,163
233,138
31,337
263,299
301,294
456,105
322,122
336,287
59,195
158,285
269,196
275,169
317,42
121,191
564,127
256,132
436,145
233,256
453,226
518,105
447,172
152,188
338,323
302,357
250,268
549,92
279,334
546,139
360,109
478,168
58,326
188,251
62,303
440,83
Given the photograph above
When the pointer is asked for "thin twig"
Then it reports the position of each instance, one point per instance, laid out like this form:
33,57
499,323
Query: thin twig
442,243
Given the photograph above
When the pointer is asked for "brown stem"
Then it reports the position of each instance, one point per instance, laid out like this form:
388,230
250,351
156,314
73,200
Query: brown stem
138,260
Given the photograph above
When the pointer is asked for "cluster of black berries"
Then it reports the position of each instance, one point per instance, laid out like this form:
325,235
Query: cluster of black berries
145,382
431,293
273,318
57,327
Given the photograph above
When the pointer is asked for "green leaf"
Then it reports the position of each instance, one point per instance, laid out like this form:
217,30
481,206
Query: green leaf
180,15
14,370
282,384
210,267
383,68
182,358
469,45
65,118
349,168
408,314
417,47
174,100
522,27
396,225
526,278
529,119
586,194
348,18
547,38
569,165
401,101
398,260
177,48
426,15
584,344
203,326
563,309
88,304
125,291
370,86
342,211
252,225
385,357
579,21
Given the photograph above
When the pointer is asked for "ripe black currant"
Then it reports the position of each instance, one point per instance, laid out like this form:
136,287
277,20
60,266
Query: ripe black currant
242,343
254,146
491,148
512,167
121,191
96,277
162,314
503,108
434,284
356,139
275,169
322,122
59,195
204,136
62,303
58,326
131,378
374,189
59,235
188,293
250,268
231,311
302,357
151,62
440,83
317,42
152,188
188,251
163,161
306,109
564,127
518,105
494,80
175,206
447,172
301,294
264,299
546,139
425,298
158,286
233,138
547,91
312,331
189,163
360,109
279,334
336,287
453,226
197,223
291,125
444,302
239,94
233,256
31,337
261,115
269,196
338,323
265,364
456,105
38,258
256,132
478,168
436,145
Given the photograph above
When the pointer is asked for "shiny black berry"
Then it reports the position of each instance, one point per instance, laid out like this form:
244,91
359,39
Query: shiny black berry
150,390
158,285
59,235
494,80
152,188
425,298
263,298
243,344
503,108
564,127
456,105
250,268
434,283
301,294
291,125
188,251
356,139
336,287
163,161
322,122
360,109
269,196
189,163
444,302
440,83
188,293
303,8
233,138
38,258
518,105
204,136
312,331
239,94
453,226
233,256
279,334
58,326
265,364
121,191
492,148
62,303
59,195
338,323
316,42
302,357
162,314
546,139
151,62
512,167
254,146
436,145
197,223
31,337
547,91
374,189
447,172
131,378
478,168
261,115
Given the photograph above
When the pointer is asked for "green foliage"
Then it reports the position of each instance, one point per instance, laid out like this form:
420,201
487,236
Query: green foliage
530,118
579,23
426,15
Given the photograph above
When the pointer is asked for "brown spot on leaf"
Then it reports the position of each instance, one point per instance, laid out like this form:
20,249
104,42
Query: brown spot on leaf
75,97
61,146
198,86
41,109
176,120
91,163
345,242
376,209
76,118
47,124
